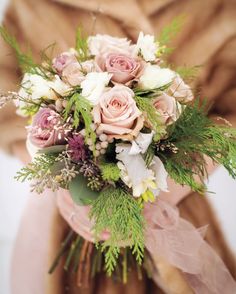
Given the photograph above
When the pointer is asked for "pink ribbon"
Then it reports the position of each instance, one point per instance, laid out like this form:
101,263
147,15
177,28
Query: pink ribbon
182,245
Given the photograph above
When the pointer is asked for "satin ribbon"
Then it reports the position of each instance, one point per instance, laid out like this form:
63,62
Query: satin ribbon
169,236
182,245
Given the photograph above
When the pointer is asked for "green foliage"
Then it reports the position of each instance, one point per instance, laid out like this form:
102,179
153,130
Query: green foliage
25,60
115,210
189,139
187,73
110,171
80,192
41,165
81,46
170,31
81,109
153,117
149,154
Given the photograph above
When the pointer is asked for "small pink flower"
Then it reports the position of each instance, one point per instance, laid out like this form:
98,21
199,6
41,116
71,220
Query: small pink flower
117,114
46,129
181,91
167,108
63,60
122,67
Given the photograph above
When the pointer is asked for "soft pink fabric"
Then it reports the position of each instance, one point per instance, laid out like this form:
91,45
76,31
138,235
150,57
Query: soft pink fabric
76,216
30,264
182,245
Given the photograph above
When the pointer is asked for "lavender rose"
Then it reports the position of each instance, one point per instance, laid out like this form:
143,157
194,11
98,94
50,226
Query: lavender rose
46,129
63,60
122,67
117,115
167,108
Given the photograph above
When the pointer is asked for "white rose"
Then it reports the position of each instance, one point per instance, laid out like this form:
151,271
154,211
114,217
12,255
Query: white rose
147,46
104,44
59,86
94,85
155,77
34,87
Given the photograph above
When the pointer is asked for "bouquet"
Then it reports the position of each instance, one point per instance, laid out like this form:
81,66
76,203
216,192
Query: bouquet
110,121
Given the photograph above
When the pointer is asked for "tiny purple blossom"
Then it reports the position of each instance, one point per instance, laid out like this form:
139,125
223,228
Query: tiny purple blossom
77,148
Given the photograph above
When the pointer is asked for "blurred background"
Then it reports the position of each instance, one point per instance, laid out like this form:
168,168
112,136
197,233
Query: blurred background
13,196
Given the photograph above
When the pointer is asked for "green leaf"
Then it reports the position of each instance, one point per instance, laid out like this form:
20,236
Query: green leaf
80,192
52,149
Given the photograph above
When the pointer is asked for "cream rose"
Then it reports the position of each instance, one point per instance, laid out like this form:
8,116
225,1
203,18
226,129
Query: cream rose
117,114
154,77
181,91
167,108
104,44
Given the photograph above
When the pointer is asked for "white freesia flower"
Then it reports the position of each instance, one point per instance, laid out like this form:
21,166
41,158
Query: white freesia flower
94,85
34,87
155,77
160,175
147,46
141,143
135,175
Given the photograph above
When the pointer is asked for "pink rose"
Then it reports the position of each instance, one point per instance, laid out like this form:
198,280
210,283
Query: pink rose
167,108
180,90
72,74
63,60
117,114
46,129
122,67
104,44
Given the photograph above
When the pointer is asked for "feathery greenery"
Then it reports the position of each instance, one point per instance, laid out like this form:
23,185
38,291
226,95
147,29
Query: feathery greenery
193,136
81,108
119,213
169,32
153,117
41,165
25,60
81,46
187,73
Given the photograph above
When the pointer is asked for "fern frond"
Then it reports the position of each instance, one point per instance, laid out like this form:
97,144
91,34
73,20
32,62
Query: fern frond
152,116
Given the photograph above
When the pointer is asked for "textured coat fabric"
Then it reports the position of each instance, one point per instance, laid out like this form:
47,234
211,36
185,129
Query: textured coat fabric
208,38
